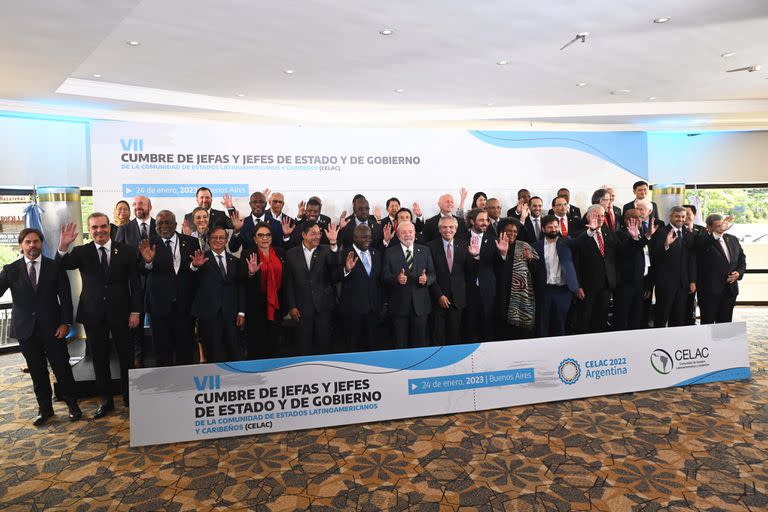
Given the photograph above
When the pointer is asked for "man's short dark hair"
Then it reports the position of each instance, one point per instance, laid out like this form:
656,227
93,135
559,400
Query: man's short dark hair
556,198
712,218
217,228
535,197
548,219
597,195
404,209
519,192
561,189
506,221
357,197
30,231
95,215
473,213
691,206
314,201
637,184
203,189
307,225
389,201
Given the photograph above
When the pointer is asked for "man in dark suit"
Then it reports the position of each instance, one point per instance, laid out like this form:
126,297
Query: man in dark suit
243,228
633,282
111,301
595,263
556,281
696,229
673,259
640,188
408,272
204,199
523,199
170,288
573,212
310,213
276,203
312,271
485,254
493,207
569,225
530,219
140,228
219,304
450,256
721,264
445,204
360,216
361,295
40,320
392,207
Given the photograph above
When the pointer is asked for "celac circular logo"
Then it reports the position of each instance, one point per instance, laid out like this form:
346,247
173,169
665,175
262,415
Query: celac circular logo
661,361
569,371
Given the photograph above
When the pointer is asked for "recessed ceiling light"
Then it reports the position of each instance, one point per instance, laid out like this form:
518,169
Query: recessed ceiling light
618,92
502,62
728,54
96,75
663,19
386,32
133,43
581,84
289,71
399,91
651,98
240,95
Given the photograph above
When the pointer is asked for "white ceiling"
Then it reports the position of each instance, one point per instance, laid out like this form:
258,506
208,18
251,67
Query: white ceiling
196,56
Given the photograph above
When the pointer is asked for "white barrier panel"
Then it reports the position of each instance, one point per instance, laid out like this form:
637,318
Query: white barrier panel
191,403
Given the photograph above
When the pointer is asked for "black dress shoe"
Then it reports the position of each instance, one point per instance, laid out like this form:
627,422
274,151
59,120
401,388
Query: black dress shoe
74,412
42,417
103,410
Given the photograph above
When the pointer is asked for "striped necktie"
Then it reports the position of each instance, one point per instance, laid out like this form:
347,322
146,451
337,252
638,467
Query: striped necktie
408,259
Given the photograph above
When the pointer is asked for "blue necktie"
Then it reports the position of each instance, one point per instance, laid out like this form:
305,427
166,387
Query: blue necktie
366,261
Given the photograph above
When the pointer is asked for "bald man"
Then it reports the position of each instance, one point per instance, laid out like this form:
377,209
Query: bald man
141,227
431,229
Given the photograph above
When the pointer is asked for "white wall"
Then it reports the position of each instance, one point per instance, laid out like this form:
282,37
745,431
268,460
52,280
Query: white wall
43,152
711,157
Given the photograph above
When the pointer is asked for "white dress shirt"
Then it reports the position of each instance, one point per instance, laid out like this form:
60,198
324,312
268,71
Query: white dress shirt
552,260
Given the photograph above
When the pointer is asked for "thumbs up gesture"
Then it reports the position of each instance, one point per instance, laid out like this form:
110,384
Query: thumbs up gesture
401,277
423,278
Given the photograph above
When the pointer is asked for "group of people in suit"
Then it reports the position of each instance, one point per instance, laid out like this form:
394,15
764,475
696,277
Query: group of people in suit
459,276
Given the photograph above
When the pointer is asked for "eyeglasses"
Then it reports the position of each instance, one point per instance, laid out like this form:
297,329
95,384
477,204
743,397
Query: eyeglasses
218,237
264,235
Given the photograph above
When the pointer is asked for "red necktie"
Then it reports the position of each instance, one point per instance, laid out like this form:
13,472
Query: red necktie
563,227
600,242
613,221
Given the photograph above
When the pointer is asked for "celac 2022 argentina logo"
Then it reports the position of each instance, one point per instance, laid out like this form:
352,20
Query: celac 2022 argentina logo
661,361
569,371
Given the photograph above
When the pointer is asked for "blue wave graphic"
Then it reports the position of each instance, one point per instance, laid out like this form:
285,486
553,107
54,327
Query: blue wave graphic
739,373
390,361
627,150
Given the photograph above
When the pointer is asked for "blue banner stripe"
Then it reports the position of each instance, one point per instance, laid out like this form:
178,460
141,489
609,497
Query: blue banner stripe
739,373
424,358
443,383
183,189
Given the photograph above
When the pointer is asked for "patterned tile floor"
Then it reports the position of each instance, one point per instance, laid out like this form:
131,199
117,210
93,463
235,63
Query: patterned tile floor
695,448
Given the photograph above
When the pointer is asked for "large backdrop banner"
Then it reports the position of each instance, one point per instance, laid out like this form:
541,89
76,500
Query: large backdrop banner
187,403
168,162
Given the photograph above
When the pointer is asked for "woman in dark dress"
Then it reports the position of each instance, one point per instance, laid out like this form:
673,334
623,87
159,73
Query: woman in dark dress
262,271
516,306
